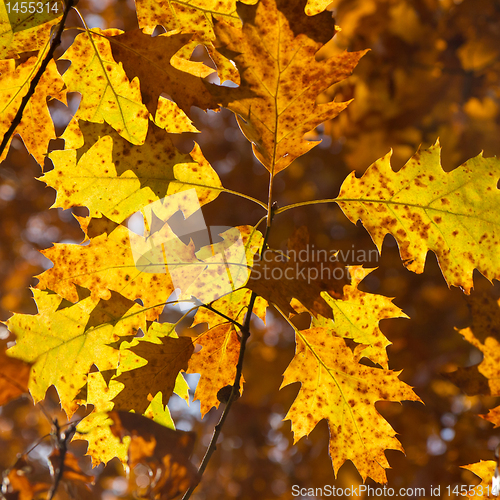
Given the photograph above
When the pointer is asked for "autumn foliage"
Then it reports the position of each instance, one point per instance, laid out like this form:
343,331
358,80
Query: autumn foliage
249,272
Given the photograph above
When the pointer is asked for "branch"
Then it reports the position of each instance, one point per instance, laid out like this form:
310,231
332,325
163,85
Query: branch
61,445
41,70
222,315
245,334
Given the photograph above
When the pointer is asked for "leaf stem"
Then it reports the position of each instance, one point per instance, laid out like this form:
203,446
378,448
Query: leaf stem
305,203
50,54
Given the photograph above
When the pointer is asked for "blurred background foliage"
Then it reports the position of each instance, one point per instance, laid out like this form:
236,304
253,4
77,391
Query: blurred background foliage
433,71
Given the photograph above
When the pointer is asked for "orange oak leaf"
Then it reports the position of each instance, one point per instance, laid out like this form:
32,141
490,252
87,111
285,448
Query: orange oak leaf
300,274
106,264
220,346
335,387
493,416
14,376
216,363
36,128
150,59
275,104
485,469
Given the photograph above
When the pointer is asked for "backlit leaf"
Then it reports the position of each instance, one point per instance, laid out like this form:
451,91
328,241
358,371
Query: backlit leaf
107,264
485,469
226,264
114,178
64,340
314,7
192,16
107,93
170,117
103,445
493,416
217,360
453,214
24,32
357,315
334,386
36,127
275,104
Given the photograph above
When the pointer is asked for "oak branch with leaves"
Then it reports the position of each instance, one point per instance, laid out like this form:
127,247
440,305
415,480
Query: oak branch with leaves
99,336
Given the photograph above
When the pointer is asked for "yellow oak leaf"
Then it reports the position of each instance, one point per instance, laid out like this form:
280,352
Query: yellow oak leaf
166,355
171,118
106,264
189,17
103,445
357,315
314,7
27,31
226,265
109,176
64,340
334,386
454,214
485,469
150,59
275,104
36,127
107,93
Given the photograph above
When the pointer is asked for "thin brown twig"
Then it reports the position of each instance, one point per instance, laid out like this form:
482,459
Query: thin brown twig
245,334
56,41
61,443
